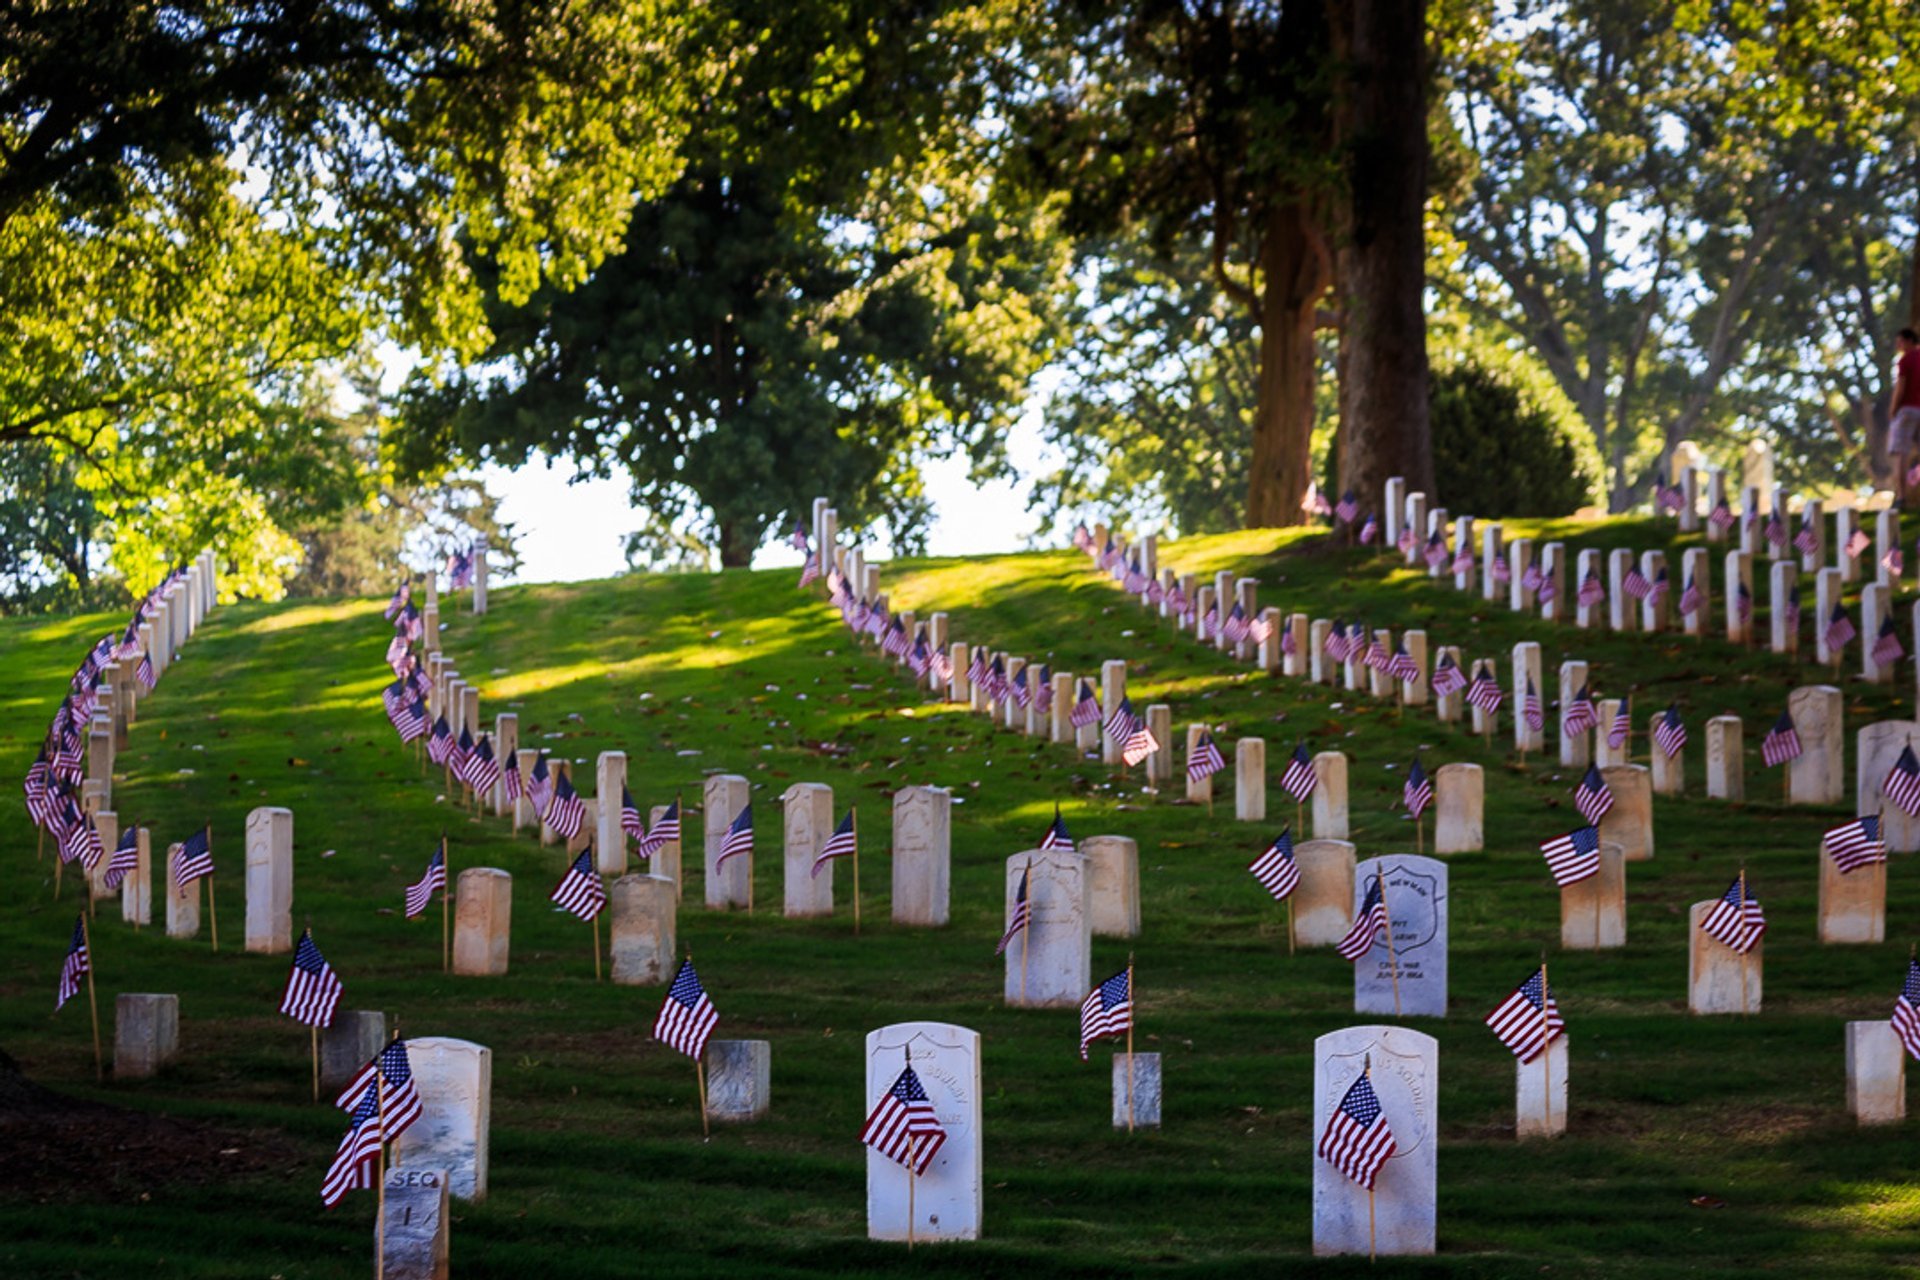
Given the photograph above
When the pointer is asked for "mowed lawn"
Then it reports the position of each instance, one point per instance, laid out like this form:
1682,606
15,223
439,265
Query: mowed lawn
598,1167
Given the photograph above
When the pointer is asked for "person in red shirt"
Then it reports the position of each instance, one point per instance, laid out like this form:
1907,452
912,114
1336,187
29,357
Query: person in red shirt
1903,408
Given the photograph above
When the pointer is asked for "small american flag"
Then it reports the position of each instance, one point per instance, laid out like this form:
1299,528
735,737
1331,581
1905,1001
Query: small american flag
1369,529
420,893
843,843
1902,784
921,659
1447,679
148,678
1776,531
1417,792
568,812
1671,497
1335,645
511,784
1056,836
688,1017
1436,550
461,753
1621,730
1574,856
1857,541
1206,759
1378,658
1592,591
1485,692
1276,868
1347,508
1691,598
1636,585
1300,778
480,770
1782,742
401,594
1887,649
1234,630
1592,797
1528,1020
1136,579
1082,539
1020,917
1370,924
810,571
1721,517
1790,614
1807,541
1530,576
1022,695
581,891
1357,1139
1107,1010
664,832
540,785
1086,708
1743,604
977,667
313,989
1906,1010
1671,733
1894,561
1207,623
125,859
440,745
1579,715
1405,541
631,823
739,836
459,570
1401,666
798,538
400,1098
1463,559
1139,745
1502,571
902,1126
80,841
1855,844
895,642
1736,919
194,858
38,794
1840,629
77,965
1530,709
359,1150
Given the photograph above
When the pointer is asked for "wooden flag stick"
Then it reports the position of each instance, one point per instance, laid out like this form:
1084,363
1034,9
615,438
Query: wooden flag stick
853,815
58,867
213,909
313,1039
1133,999
1746,957
446,886
700,1078
1290,931
1419,835
912,1178
93,1003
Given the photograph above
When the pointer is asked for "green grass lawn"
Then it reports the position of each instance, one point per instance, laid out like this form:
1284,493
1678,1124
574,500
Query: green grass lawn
598,1168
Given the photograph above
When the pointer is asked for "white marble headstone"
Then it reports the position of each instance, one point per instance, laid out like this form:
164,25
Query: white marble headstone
1416,897
1405,1070
947,1198
1049,964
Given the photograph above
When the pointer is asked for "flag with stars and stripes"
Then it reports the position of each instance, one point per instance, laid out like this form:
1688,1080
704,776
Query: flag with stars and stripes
1622,727
1721,517
1300,778
1574,856
1530,576
76,966
512,786
38,790
1357,1139
80,838
1234,629
1086,708
1056,836
1205,759
1347,508
359,1151
398,602
1139,744
739,836
194,858
902,1126
1370,923
1378,659
461,753
1855,844
1736,919
1592,797
1902,783
630,820
1335,644
440,745
663,833
581,891
1894,561
1463,560
1530,709
1776,531
1528,1020
480,770
1435,553
568,812
392,1072
1276,868
1447,679
1670,734
1691,598
1906,1010
1021,915
1107,1010
687,1018
1782,742
1417,792
843,843
1840,629
1401,666
1592,591
312,992
1579,715
1369,529
1502,571
1856,542
125,859
1485,692
420,892
810,571
1886,648
1635,584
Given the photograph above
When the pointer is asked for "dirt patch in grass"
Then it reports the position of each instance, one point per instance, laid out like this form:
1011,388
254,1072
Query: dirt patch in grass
56,1148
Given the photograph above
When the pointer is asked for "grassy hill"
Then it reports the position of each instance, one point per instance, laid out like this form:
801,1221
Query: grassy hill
598,1167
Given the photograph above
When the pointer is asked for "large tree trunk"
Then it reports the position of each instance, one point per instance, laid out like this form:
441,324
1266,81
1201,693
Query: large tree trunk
739,539
1381,123
1294,273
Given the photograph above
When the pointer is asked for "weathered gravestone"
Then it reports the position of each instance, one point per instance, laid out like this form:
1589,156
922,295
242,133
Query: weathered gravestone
1593,911
645,915
482,921
1113,885
1250,780
1048,965
1573,683
1876,1073
1877,748
146,1034
183,900
270,881
1726,759
1399,1217
808,819
455,1080
1329,802
728,884
1409,977
349,1044
922,862
1669,771
1720,979
1459,803
1136,1089
1818,775
739,1079
610,842
136,891
1629,823
414,1236
1540,1092
1323,900
1852,904
945,1201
